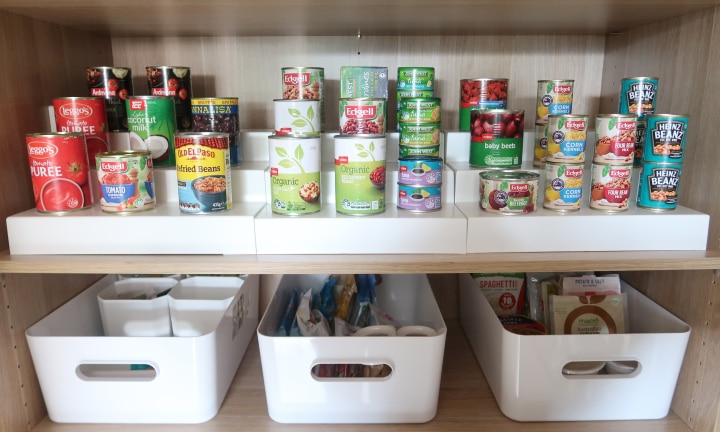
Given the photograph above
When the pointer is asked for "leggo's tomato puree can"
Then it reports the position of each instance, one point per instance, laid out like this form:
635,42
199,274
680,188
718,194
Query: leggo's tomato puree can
173,81
86,115
496,138
610,188
665,138
638,96
305,83
203,171
615,138
219,115
659,185
114,84
483,94
126,181
59,171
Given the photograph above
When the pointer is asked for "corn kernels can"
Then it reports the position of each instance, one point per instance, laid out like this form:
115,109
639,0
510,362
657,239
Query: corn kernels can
563,187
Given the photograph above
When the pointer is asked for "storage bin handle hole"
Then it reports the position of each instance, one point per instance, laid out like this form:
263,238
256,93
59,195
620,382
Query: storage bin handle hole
601,368
351,371
116,372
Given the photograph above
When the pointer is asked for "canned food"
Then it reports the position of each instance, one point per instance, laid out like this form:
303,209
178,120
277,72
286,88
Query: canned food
419,134
360,174
659,186
509,191
305,83
665,138
420,170
496,138
610,188
567,138
563,187
219,115
151,121
364,82
294,174
483,94
297,116
640,133
126,181
86,115
638,96
554,97
615,138
419,150
418,78
203,171
59,171
417,198
360,116
174,82
114,84
541,140
419,110
412,93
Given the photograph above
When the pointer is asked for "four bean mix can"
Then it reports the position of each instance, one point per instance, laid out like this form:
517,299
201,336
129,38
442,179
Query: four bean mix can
615,139
360,174
219,115
203,171
126,181
114,84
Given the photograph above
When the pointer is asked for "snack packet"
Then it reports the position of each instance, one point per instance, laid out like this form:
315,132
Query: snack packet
601,314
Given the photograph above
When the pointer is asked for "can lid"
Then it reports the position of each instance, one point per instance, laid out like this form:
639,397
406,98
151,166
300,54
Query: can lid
485,79
509,175
55,134
634,116
351,136
121,153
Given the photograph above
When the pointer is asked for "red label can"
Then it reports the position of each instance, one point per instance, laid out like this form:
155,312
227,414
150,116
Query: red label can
86,115
59,171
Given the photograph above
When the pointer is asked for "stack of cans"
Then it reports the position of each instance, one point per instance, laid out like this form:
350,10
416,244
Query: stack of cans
419,127
638,95
554,98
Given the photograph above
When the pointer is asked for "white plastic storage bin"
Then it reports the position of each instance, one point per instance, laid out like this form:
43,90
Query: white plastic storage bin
198,303
525,372
86,377
408,395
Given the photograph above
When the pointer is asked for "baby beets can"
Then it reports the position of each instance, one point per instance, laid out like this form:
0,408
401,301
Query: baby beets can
294,174
203,171
360,174
126,181
59,171
496,138
151,120
86,115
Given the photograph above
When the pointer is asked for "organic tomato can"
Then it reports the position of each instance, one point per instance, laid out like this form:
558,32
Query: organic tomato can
665,138
114,84
219,115
496,138
563,187
360,174
483,94
173,82
202,162
86,115
297,116
126,181
615,139
151,120
554,97
360,116
59,171
294,174
302,82
610,187
567,138
638,95
509,191
659,186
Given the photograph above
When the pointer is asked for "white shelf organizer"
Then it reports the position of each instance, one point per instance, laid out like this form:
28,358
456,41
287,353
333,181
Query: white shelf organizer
582,230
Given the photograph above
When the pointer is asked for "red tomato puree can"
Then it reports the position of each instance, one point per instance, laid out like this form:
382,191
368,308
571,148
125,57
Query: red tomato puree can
86,115
59,171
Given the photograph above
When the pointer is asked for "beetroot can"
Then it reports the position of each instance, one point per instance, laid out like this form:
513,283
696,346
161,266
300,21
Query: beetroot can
59,171
126,183
173,81
114,84
496,138
509,191
86,115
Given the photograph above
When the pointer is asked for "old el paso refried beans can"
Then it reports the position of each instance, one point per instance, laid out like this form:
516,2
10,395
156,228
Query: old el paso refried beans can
615,138
509,191
203,171
305,83
126,181
610,187
59,171
360,174
294,174
114,84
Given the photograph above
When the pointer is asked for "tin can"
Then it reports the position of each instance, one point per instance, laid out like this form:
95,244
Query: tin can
412,93
359,116
541,140
496,138
483,94
615,139
638,96
305,83
294,174
174,82
554,97
360,174
417,78
567,138
640,133
420,110
86,115
59,170
420,170
203,171
610,187
114,84
420,199
219,115
297,116
665,138
126,181
151,120
364,82
509,191
659,186
419,134
563,187
419,150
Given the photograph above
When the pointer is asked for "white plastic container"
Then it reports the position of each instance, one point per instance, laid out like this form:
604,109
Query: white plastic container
197,304
86,377
525,372
408,395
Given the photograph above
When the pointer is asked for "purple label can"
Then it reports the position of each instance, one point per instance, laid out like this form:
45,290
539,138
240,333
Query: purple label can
418,198
420,170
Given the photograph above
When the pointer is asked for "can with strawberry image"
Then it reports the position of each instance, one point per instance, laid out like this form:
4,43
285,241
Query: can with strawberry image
59,171
173,81
86,115
114,84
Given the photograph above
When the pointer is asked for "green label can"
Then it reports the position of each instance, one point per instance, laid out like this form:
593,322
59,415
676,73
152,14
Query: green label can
360,174
151,121
659,185
638,96
419,110
414,134
294,174
419,150
418,78
496,138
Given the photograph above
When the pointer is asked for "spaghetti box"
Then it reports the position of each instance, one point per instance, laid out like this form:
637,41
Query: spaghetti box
363,82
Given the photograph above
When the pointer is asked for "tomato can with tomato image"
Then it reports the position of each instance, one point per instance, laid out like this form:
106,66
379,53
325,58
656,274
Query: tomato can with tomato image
173,81
203,171
509,191
496,138
610,187
483,94
114,84
59,171
86,115
126,183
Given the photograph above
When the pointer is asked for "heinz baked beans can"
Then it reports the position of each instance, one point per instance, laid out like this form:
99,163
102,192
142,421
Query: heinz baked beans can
360,174
638,96
305,83
173,82
294,174
665,138
567,138
297,116
59,171
615,136
610,187
563,187
659,186
114,84
639,142
202,162
554,97
482,94
126,182
362,116
86,115
219,115
151,120
496,138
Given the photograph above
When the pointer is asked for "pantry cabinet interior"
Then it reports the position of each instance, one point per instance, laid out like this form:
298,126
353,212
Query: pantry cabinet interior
237,49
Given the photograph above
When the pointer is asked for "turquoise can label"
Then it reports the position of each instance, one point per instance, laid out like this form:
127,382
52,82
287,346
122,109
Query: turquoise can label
658,186
665,138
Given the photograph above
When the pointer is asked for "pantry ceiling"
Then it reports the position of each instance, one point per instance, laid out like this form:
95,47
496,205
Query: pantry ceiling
347,17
